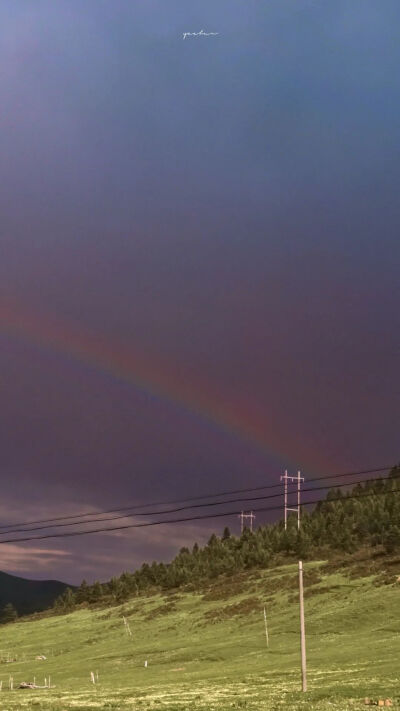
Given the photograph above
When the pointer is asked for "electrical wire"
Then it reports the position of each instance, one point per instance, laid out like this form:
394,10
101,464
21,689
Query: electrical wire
191,506
147,524
10,528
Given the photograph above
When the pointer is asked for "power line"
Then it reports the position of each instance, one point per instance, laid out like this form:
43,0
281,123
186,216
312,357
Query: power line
147,524
191,506
134,508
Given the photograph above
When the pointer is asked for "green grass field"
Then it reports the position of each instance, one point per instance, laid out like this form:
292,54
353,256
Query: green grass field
208,650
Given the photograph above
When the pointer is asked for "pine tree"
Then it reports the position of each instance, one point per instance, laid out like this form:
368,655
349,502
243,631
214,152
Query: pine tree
69,600
82,592
226,534
8,613
96,592
392,539
213,540
302,545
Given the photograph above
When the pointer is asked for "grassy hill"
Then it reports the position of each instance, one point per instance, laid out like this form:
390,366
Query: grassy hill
206,650
28,595
368,514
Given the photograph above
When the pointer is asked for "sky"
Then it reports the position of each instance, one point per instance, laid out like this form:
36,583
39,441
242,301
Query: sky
199,258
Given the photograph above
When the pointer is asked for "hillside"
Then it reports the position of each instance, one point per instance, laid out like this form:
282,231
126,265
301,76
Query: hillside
28,596
367,514
206,650
190,634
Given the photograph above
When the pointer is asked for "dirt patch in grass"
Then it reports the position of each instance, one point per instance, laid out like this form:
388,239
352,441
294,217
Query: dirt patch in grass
131,609
375,567
239,609
321,590
165,609
364,564
288,582
106,615
387,577
311,577
275,584
311,592
224,590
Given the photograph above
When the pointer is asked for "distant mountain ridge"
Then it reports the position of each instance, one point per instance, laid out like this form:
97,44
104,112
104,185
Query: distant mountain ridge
29,596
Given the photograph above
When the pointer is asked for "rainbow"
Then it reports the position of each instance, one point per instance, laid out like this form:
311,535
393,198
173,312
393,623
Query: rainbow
144,371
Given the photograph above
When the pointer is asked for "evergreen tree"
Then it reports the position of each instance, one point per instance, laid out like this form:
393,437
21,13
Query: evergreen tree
303,545
226,534
65,602
69,600
8,613
392,539
82,592
339,523
96,592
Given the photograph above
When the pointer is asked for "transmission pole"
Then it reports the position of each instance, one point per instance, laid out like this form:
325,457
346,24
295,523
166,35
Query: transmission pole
241,521
293,480
244,516
299,479
285,479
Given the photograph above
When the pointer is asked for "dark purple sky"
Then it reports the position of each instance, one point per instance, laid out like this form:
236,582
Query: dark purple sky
227,206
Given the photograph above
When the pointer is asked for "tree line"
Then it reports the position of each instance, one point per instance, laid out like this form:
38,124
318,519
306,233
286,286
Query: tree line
339,523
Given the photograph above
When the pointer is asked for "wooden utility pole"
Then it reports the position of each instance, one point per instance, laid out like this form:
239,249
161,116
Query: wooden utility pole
302,631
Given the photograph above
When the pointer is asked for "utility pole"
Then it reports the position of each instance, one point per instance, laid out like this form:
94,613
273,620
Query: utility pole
242,516
302,631
293,480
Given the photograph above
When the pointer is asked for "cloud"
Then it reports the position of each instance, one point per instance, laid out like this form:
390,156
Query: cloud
18,559
97,556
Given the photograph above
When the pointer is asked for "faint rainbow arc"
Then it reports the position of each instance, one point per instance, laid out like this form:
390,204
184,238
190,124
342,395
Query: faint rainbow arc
142,372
